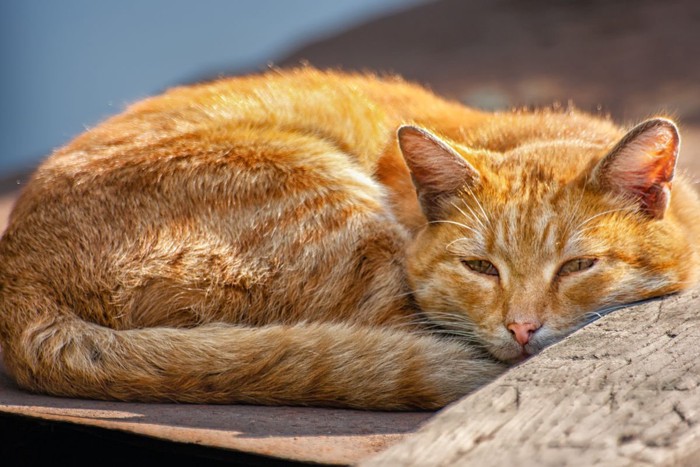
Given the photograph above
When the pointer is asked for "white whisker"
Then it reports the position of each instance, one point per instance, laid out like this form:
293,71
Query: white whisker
572,214
486,218
458,224
595,216
473,215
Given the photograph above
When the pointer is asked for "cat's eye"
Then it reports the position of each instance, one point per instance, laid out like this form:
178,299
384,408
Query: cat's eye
481,266
576,265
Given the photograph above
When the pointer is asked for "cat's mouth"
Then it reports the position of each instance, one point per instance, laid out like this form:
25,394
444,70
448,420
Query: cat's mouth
512,353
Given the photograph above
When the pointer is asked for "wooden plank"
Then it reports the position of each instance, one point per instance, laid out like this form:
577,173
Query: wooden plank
624,390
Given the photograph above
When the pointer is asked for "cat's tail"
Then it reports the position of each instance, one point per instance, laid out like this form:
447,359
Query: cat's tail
303,364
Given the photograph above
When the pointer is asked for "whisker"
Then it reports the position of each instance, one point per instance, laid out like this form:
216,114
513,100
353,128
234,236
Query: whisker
487,219
597,314
458,224
432,328
449,245
572,214
595,216
471,211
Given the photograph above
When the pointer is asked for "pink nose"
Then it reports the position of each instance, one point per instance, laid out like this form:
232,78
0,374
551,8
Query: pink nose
522,332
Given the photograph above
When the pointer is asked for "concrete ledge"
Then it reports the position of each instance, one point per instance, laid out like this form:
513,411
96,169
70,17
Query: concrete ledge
624,390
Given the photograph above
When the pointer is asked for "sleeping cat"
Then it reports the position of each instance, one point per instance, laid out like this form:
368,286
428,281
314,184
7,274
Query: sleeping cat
319,238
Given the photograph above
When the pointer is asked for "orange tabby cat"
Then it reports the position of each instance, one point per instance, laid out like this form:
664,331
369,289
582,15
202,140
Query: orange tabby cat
309,237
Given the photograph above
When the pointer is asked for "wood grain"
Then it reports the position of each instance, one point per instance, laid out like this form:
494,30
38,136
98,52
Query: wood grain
624,390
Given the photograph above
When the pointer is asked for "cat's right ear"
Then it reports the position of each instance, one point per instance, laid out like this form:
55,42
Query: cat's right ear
642,165
437,170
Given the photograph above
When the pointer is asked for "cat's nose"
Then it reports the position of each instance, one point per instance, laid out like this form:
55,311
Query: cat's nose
522,332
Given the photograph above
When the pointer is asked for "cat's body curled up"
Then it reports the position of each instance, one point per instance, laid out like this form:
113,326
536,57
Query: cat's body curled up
308,237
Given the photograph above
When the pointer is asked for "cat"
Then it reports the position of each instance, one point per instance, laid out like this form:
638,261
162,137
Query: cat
313,237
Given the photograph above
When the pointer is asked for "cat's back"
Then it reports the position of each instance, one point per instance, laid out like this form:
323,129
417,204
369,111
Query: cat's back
233,180
196,128
248,134
357,114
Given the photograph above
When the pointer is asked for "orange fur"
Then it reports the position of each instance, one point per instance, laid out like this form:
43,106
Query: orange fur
260,239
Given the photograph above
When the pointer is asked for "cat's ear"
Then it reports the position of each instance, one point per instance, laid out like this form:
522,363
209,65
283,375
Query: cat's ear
437,170
642,164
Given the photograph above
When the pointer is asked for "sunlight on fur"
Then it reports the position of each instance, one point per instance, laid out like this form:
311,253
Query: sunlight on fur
318,238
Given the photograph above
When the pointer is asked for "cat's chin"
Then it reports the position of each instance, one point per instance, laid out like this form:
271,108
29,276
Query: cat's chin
509,353
513,353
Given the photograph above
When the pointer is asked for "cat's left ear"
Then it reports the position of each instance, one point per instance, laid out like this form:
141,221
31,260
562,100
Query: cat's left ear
641,166
438,171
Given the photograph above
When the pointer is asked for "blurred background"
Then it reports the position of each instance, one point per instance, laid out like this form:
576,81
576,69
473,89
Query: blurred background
67,65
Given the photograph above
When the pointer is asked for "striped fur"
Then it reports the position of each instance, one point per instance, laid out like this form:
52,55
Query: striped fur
260,240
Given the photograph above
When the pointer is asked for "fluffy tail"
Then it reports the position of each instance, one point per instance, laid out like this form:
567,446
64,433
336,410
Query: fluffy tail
303,364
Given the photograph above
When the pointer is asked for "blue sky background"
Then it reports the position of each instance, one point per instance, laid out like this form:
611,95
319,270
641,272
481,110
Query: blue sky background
66,65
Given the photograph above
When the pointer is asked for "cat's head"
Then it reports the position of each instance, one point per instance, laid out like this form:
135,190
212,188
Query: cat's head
523,247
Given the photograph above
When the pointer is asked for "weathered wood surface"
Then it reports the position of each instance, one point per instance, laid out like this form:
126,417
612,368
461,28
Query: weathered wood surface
624,390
